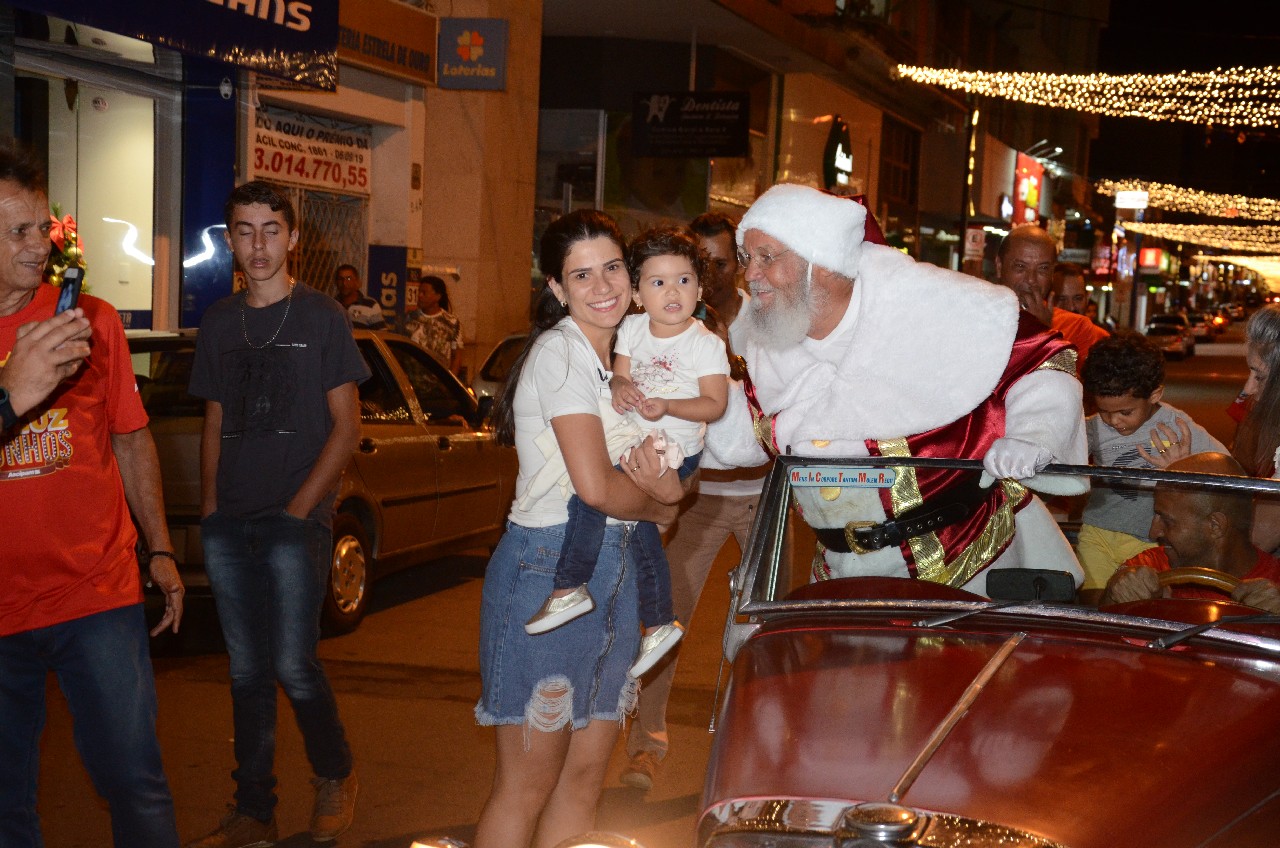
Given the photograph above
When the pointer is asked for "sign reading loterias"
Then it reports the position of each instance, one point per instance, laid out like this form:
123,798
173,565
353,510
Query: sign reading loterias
472,54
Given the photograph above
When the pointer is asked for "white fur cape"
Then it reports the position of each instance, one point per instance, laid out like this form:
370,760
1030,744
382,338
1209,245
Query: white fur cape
928,346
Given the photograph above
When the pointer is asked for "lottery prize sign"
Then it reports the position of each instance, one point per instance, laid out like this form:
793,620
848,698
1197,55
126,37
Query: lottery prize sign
289,147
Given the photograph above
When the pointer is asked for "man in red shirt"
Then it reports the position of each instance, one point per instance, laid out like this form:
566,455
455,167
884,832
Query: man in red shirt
75,457
1201,527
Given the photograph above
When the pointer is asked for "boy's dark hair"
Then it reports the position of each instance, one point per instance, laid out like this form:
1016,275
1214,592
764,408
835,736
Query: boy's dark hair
19,165
1124,363
665,241
260,191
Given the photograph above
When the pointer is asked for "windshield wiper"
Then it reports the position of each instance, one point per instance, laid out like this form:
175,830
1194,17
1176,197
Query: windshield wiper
950,617
1187,632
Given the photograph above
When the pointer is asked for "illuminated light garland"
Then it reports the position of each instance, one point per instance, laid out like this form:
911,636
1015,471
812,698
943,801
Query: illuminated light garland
1264,238
1177,199
1237,97
1267,267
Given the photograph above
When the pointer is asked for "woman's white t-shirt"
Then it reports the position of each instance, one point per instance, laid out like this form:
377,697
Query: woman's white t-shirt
561,376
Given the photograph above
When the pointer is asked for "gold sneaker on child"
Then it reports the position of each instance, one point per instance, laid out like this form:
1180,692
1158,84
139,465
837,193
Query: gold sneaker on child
558,611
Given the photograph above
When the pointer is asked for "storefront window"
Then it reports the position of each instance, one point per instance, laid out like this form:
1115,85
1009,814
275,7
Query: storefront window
96,107
101,171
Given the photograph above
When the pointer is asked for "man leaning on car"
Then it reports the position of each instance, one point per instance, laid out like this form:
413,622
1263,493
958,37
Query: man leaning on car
71,465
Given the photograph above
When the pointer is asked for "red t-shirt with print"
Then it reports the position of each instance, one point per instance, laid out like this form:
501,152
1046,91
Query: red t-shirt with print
68,540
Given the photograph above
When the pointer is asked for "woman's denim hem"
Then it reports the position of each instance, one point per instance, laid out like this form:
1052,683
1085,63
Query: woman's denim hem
628,698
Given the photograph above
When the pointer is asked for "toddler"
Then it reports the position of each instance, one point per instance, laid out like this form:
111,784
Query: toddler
1124,375
670,372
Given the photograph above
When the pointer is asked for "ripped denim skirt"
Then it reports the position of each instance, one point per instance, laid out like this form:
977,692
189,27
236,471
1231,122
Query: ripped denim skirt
576,673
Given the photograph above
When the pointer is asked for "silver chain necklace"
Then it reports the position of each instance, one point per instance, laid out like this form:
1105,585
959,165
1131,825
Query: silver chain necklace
244,327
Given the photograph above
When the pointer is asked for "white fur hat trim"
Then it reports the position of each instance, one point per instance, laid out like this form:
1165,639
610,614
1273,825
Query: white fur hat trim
822,228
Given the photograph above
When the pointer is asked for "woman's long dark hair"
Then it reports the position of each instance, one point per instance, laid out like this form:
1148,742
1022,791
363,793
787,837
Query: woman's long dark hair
441,289
1259,433
557,241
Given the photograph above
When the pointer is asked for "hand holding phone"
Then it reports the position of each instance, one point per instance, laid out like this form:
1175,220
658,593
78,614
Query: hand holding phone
69,292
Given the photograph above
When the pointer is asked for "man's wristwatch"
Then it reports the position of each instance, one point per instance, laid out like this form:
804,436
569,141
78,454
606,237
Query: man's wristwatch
7,416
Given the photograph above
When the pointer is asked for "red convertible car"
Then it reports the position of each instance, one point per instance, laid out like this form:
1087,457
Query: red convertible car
879,711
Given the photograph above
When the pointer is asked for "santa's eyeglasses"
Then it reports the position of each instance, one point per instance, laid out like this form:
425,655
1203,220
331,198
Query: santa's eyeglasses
764,260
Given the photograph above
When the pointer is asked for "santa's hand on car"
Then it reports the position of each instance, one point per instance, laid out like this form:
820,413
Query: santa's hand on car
1010,458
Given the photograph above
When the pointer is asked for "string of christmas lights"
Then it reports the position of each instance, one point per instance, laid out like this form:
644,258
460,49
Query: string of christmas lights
1264,238
1177,199
1236,97
1267,267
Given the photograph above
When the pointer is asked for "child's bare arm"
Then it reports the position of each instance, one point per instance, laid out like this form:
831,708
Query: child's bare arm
706,407
625,394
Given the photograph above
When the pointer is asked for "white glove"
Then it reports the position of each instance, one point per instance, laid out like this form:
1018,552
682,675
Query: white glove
1013,458
669,449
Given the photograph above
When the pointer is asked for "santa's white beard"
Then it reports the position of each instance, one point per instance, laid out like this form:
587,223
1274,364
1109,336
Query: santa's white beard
785,321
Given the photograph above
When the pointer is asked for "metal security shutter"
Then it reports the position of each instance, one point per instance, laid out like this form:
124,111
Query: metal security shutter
332,231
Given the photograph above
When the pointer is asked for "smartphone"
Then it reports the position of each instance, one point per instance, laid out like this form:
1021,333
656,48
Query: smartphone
69,292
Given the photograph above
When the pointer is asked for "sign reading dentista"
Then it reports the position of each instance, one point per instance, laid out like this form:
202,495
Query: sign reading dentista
290,147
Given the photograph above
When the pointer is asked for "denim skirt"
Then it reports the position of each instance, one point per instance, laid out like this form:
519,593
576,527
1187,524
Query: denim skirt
574,674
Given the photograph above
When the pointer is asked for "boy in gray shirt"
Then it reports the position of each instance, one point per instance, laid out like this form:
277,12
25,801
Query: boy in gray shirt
1124,375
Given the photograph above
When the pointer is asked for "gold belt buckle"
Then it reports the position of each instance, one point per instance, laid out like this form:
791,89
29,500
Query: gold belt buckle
852,540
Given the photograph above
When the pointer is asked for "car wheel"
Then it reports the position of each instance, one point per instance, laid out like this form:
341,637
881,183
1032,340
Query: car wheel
346,597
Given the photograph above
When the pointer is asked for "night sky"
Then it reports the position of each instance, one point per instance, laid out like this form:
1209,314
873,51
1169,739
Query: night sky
1174,36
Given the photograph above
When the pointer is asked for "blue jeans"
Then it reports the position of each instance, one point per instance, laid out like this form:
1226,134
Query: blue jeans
268,577
103,667
583,535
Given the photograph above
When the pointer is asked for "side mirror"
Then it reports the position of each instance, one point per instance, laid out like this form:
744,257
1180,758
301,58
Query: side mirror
485,405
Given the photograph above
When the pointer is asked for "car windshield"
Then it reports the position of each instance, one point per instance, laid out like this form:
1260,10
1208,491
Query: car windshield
811,508
1169,319
1163,330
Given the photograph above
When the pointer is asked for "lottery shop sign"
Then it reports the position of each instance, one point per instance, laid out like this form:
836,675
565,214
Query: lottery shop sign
290,147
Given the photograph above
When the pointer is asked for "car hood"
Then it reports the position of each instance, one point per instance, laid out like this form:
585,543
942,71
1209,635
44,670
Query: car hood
1087,740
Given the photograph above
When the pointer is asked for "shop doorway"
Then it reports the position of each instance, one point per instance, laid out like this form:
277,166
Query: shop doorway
331,232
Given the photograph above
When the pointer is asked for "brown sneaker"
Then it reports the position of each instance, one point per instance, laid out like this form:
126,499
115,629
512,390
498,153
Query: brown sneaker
238,831
334,808
640,771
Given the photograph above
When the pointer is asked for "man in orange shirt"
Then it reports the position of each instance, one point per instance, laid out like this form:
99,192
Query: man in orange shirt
1026,264
1200,527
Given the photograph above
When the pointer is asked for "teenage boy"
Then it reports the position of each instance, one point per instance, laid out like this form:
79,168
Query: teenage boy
1132,428
278,368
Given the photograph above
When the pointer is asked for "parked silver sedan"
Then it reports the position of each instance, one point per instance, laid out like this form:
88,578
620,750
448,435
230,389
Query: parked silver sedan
426,481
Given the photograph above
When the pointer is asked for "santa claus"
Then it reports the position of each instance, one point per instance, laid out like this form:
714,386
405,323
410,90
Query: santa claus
855,349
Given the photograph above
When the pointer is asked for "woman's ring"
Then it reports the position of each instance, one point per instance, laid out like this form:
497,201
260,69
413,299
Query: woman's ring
635,468
659,451
1162,450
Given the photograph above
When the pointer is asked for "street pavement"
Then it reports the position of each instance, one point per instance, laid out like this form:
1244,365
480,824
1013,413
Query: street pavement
406,683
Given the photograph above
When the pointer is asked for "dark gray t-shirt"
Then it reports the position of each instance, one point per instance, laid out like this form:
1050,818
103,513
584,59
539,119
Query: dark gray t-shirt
275,414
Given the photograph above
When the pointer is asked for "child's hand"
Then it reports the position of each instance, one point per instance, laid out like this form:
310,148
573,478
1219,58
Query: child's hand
626,396
1168,447
651,409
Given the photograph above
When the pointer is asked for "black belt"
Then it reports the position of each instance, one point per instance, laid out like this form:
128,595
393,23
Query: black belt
864,537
